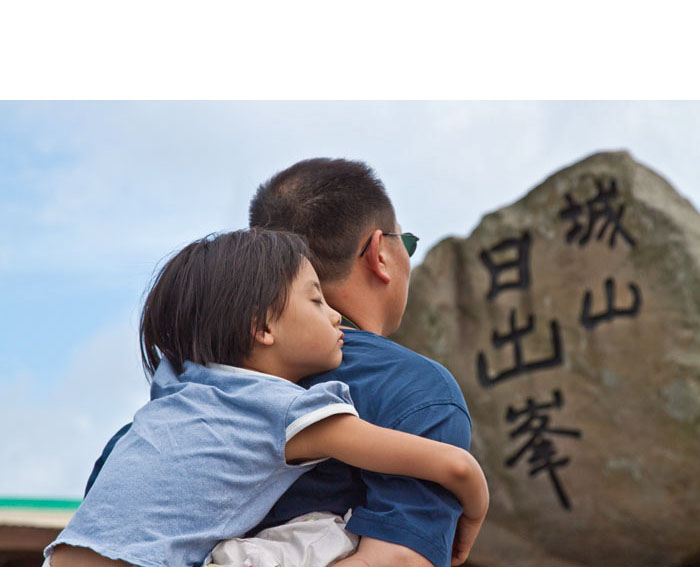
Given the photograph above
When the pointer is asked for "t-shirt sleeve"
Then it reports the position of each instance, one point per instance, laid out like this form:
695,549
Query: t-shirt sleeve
417,514
318,402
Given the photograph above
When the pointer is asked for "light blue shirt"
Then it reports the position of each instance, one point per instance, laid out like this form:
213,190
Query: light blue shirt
203,461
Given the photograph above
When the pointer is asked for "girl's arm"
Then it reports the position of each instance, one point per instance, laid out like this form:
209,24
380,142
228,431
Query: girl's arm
366,446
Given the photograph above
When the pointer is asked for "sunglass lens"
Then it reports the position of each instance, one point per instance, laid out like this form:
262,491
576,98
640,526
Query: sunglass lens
410,241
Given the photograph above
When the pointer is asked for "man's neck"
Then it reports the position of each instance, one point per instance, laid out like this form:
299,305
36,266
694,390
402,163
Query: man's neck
357,305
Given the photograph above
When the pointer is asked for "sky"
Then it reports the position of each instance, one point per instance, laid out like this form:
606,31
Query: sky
94,194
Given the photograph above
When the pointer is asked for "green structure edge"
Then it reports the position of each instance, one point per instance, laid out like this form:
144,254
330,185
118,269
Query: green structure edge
63,504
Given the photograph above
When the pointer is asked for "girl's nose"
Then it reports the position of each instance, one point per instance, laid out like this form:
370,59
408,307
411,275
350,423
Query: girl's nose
335,317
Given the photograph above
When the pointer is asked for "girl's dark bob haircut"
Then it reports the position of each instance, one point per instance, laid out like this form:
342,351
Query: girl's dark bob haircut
208,300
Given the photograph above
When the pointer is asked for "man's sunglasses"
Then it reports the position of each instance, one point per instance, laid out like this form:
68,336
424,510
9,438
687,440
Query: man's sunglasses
410,241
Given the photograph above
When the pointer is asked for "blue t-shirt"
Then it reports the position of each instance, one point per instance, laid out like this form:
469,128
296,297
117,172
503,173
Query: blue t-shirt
203,461
393,387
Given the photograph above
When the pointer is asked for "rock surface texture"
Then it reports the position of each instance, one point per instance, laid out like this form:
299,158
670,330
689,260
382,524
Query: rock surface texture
571,320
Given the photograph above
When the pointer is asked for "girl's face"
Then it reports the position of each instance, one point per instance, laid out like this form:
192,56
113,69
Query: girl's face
307,335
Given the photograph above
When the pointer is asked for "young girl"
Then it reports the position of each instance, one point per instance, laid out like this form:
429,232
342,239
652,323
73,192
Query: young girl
230,325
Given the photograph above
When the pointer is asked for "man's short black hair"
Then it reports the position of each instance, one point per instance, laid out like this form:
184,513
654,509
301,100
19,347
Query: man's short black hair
334,203
209,299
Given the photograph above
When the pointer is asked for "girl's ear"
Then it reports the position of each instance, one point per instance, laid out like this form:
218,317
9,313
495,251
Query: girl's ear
264,336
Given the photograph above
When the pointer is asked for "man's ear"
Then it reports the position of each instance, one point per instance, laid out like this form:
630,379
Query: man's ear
264,336
374,257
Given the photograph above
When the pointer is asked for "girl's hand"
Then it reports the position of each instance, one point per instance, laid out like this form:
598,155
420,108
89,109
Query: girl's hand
466,533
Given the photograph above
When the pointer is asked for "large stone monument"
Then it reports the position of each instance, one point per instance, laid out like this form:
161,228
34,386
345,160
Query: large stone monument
571,320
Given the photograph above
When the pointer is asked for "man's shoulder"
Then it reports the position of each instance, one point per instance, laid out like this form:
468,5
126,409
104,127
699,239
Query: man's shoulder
388,381
374,352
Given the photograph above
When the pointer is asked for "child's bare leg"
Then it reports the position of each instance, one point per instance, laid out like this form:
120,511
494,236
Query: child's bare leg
376,553
353,561
69,556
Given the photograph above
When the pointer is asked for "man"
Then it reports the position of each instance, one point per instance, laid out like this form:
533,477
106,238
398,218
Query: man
362,260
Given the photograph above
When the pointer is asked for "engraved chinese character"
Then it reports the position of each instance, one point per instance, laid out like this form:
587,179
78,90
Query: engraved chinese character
519,266
599,209
514,337
542,450
589,321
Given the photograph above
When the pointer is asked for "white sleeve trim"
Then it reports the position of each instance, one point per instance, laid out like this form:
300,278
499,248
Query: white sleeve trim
301,423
